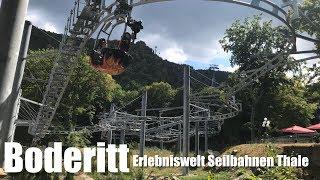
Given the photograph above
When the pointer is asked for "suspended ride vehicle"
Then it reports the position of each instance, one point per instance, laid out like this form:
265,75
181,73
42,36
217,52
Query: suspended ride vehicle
112,61
115,60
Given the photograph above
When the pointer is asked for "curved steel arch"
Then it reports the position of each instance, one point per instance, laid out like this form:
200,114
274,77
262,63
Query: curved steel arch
276,12
254,4
77,27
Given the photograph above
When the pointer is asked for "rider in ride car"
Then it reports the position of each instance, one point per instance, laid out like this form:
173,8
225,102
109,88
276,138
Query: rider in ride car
136,27
98,54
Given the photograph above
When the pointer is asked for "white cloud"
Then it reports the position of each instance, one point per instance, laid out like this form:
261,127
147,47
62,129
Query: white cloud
303,45
227,68
35,17
205,51
170,49
167,48
175,54
49,27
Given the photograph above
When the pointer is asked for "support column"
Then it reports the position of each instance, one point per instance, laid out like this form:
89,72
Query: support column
143,123
112,110
196,139
161,144
12,132
179,140
206,132
252,131
12,18
112,115
161,123
109,136
186,115
122,136
18,78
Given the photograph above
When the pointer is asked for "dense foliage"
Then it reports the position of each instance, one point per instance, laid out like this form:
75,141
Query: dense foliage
282,100
309,20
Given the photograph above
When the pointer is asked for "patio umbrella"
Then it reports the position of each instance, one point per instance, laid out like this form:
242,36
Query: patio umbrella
298,130
314,127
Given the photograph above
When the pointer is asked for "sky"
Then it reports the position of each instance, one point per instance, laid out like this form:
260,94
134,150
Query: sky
184,31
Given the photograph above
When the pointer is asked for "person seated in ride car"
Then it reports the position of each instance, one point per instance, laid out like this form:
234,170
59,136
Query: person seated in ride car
136,27
97,54
125,42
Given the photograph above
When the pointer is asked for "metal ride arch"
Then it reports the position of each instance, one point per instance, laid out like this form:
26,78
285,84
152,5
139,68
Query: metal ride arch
90,16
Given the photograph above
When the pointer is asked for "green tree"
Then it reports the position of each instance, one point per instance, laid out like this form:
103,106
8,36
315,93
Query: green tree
290,106
88,93
252,44
309,20
77,139
36,75
313,94
160,94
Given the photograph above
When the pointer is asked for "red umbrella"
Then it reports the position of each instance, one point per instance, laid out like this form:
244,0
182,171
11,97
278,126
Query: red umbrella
314,127
298,130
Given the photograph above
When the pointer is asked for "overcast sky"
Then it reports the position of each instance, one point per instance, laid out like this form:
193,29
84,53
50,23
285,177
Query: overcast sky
184,31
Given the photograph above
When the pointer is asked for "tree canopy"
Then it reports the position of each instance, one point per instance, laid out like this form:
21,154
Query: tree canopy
273,95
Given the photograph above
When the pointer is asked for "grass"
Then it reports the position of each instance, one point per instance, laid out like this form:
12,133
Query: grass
250,149
262,149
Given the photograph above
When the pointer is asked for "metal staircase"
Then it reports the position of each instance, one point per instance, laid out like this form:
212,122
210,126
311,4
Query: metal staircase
80,25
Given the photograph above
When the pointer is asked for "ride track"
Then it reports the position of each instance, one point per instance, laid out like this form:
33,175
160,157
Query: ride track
88,17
